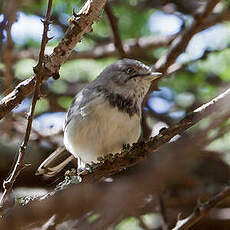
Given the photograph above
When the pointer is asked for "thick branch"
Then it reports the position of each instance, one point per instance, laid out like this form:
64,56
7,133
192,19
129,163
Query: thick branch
80,25
82,197
130,156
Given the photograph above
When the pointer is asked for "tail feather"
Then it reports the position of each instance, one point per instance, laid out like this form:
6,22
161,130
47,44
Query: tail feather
46,167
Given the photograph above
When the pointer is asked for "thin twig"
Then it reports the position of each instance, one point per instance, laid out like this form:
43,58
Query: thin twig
111,165
63,50
179,66
9,16
202,210
20,164
2,36
8,56
180,43
9,13
132,47
78,27
115,30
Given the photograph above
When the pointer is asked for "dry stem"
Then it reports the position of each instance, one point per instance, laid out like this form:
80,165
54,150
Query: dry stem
20,164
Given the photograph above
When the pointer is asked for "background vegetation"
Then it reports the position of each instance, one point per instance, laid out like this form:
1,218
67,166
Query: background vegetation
195,166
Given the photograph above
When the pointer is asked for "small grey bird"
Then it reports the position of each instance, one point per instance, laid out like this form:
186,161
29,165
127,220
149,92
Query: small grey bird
104,115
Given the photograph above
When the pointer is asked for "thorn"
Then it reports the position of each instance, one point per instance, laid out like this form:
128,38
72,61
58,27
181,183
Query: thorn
179,216
74,13
50,38
199,203
56,76
35,69
46,21
5,184
27,165
74,22
50,21
163,131
27,115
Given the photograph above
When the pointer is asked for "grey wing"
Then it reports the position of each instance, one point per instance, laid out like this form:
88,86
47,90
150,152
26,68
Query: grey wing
73,107
84,97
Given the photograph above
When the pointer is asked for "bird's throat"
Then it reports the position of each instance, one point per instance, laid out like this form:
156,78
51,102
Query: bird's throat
125,104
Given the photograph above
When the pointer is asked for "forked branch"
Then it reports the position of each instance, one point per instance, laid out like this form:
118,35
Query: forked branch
20,164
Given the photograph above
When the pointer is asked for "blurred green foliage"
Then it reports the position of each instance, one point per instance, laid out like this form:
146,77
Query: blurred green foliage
129,223
132,23
65,102
24,68
83,69
41,106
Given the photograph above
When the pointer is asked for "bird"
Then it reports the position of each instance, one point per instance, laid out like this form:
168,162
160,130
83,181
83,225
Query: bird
105,115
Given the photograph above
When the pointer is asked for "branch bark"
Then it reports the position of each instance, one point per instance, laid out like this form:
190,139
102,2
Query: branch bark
132,47
180,43
130,156
7,54
202,210
83,197
115,30
79,25
20,164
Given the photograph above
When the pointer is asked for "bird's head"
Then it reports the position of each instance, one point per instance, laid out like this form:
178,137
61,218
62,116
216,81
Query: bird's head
128,77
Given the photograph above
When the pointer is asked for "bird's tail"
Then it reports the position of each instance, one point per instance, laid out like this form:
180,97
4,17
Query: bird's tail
50,167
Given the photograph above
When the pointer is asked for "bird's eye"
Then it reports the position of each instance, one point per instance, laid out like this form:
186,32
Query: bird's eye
130,71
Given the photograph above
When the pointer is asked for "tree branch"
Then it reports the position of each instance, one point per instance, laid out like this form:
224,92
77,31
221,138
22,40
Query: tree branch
132,47
20,164
82,24
130,156
202,210
180,43
83,197
79,25
115,30
10,17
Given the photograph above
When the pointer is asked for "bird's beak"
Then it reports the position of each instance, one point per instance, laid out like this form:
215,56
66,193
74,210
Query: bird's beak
149,76
153,75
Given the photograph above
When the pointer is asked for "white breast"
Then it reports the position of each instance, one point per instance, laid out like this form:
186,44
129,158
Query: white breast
99,129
